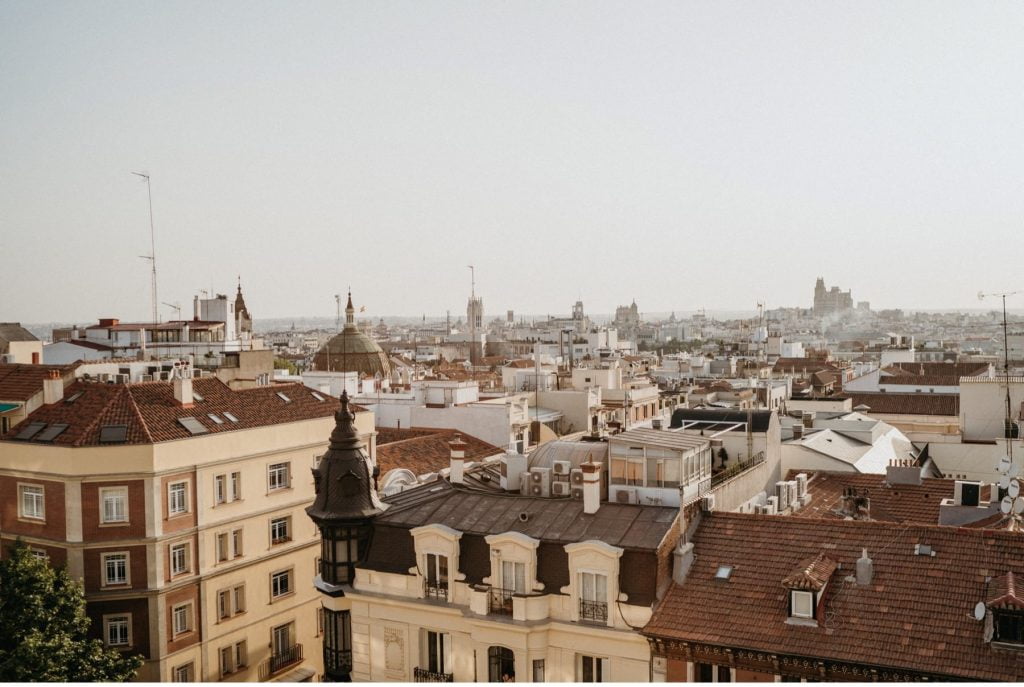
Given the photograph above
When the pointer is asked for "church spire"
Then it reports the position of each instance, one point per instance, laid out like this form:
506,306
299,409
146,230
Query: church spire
350,313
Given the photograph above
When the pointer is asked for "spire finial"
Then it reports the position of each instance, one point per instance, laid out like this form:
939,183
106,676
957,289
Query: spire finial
344,434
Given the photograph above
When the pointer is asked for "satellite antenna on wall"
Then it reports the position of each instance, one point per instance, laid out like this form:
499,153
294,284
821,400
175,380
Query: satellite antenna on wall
980,610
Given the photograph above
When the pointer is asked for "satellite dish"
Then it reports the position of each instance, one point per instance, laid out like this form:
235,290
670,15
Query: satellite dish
1014,489
979,610
1005,505
1014,470
1004,482
1018,506
1004,464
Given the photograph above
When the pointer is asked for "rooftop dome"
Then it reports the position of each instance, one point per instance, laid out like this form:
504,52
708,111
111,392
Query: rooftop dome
352,351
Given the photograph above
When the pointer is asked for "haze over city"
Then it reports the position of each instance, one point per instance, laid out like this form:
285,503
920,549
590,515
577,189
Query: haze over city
686,155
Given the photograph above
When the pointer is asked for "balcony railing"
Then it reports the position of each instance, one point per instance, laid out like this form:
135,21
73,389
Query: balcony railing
594,611
424,675
500,601
337,663
435,590
278,662
735,469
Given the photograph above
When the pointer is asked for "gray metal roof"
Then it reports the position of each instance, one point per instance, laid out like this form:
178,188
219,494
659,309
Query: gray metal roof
663,438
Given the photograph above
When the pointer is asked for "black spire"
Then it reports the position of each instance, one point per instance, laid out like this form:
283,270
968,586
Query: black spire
343,483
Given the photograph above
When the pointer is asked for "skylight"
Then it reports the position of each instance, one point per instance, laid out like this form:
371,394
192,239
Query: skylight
230,416
197,397
315,395
283,397
32,429
723,573
192,425
113,434
74,397
216,419
51,432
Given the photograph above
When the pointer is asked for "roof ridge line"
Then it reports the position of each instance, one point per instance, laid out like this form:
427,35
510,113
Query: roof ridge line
142,420
96,417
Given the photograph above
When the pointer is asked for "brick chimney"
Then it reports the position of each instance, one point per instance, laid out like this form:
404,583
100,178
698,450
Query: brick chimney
183,388
53,388
591,487
458,459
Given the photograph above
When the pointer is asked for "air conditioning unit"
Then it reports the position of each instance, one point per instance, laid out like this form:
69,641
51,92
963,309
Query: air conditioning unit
801,485
760,510
772,506
966,493
576,476
782,495
146,378
707,503
524,483
577,493
794,489
122,379
559,488
561,467
540,482
626,495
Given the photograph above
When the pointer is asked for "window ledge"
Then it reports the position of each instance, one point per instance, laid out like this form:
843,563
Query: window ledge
119,523
178,516
803,622
1012,646
29,520
275,599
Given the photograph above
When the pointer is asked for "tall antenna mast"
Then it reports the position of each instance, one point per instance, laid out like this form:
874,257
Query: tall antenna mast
152,245
472,312
1008,423
337,317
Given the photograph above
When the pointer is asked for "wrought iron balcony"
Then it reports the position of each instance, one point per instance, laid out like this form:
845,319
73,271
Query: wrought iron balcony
500,601
424,675
337,663
435,589
594,611
280,661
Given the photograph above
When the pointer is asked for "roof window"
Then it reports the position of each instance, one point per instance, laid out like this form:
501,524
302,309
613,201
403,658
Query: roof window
216,419
316,396
51,433
197,397
283,397
74,397
230,417
32,429
724,572
192,425
113,434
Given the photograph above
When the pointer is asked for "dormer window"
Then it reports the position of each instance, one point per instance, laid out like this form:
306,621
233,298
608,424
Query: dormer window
1007,610
435,584
806,586
437,560
801,604
1008,626
593,597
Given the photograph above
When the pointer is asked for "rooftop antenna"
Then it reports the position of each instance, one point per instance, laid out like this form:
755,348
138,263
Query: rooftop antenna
1008,423
152,243
337,317
176,307
472,316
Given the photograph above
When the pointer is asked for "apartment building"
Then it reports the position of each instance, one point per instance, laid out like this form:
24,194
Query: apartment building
179,504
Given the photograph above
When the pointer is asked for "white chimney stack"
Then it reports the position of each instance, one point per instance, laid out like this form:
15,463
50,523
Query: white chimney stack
53,388
591,487
458,460
183,387
865,569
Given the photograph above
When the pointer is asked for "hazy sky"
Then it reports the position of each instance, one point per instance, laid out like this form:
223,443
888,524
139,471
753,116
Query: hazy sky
684,154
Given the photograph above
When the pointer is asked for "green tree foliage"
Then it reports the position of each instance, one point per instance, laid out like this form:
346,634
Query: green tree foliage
282,364
43,627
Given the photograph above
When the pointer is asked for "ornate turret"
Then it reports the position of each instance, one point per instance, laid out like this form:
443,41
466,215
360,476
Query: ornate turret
343,511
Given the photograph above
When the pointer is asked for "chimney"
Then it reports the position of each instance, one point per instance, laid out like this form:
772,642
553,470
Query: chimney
458,459
195,307
682,561
865,569
808,419
798,430
591,487
902,471
656,423
53,388
183,388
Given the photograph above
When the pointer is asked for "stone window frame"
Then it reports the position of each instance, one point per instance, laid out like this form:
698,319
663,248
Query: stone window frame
108,618
114,491
187,545
439,540
598,558
514,547
104,582
190,623
186,483
22,515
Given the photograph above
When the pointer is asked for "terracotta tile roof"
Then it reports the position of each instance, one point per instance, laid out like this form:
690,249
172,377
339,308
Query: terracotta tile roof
20,382
915,615
921,380
802,365
903,503
521,364
942,369
1003,593
150,414
812,574
424,450
908,404
13,331
94,345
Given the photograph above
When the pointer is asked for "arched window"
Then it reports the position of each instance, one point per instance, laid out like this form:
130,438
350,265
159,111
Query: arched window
501,664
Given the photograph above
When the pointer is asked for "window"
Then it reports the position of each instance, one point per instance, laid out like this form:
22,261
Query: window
513,576
436,652
437,576
177,498
278,476
628,471
280,584
115,568
236,486
591,669
538,670
222,546
236,542
241,654
40,554
220,489
238,596
227,660
184,673
280,530
179,559
663,472
117,630
724,674
593,597
1008,626
801,604
32,505
224,604
704,672
182,618
114,505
